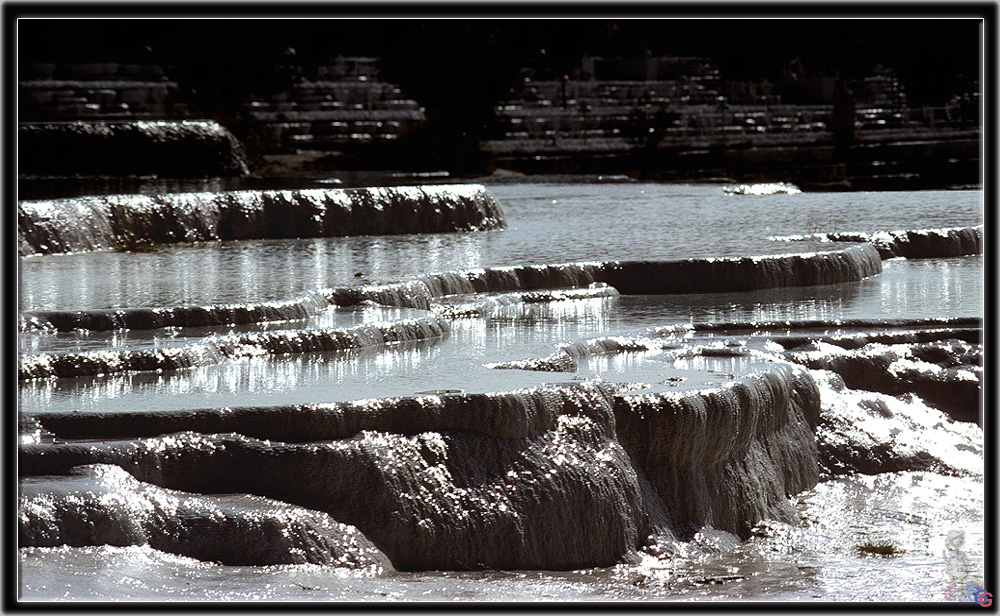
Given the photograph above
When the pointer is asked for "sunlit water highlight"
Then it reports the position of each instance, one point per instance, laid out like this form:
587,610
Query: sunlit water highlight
547,224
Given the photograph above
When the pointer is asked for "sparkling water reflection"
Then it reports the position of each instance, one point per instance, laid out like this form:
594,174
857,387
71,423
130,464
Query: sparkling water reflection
548,224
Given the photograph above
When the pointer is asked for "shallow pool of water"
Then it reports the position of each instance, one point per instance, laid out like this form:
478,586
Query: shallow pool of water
815,561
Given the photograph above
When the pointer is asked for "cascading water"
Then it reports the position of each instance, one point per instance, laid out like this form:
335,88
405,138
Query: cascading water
130,221
587,404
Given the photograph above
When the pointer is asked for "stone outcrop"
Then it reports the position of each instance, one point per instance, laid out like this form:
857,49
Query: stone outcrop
123,222
557,477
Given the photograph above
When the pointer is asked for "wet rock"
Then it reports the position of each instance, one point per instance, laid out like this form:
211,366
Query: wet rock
920,244
558,477
952,383
557,362
104,505
227,347
871,433
121,222
728,457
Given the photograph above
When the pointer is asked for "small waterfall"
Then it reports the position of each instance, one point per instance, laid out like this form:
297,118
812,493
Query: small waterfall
946,374
302,307
411,294
726,457
868,432
743,273
912,244
228,347
125,222
555,477
488,305
515,278
104,505
566,358
921,244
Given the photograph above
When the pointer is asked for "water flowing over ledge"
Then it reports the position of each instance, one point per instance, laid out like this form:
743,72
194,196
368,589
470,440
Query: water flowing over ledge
125,222
625,277
742,274
85,508
189,148
302,307
669,277
872,433
946,374
921,244
487,305
898,394
568,355
215,349
914,244
727,457
557,477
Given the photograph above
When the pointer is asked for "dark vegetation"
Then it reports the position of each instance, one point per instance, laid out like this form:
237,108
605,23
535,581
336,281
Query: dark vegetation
877,548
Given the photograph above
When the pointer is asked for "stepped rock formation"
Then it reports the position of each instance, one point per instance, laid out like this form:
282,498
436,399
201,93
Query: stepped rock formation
626,277
558,477
920,244
871,433
229,529
946,374
555,477
226,347
730,457
121,222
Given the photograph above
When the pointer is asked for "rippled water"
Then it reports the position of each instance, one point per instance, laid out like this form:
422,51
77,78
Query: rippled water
547,224
814,562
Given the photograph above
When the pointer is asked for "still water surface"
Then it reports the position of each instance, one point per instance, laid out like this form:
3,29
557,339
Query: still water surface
547,224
